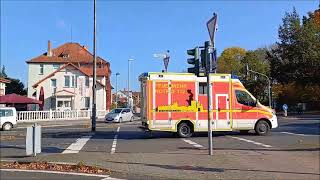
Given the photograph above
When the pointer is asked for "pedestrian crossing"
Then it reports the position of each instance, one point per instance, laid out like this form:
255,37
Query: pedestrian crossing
128,139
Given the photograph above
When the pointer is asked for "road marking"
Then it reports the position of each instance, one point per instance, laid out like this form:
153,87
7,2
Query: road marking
105,177
250,141
192,143
77,146
298,134
114,143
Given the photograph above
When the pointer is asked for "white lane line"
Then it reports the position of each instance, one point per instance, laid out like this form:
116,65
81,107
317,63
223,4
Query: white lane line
105,177
77,146
114,143
250,141
298,134
192,143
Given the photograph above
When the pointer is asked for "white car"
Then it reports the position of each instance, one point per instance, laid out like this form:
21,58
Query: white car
120,115
8,118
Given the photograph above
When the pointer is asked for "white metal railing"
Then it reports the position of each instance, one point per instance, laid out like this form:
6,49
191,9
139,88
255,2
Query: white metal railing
57,115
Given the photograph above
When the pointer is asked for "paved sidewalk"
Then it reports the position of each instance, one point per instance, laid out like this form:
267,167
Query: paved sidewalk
191,164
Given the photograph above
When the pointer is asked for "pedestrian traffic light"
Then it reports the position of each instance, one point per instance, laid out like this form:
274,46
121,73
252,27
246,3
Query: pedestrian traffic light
194,60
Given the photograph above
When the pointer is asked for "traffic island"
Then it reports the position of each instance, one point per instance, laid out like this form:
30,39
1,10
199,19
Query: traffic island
74,168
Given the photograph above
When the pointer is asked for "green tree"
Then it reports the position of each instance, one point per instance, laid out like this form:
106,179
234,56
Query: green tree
256,84
296,57
3,72
230,60
15,85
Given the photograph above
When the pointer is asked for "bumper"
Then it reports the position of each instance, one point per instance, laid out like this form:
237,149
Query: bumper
274,121
111,120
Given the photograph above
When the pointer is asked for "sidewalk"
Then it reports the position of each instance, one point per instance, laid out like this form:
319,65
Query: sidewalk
196,164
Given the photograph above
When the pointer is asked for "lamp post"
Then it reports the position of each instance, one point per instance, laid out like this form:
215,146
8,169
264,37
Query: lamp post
269,83
117,74
129,96
94,105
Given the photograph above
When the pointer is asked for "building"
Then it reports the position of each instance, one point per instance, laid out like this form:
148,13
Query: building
123,98
65,74
3,83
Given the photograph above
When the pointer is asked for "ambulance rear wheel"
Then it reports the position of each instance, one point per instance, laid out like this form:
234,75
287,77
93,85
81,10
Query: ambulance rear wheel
262,128
184,130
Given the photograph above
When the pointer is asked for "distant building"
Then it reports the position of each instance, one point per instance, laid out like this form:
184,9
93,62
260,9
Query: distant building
3,83
123,98
66,75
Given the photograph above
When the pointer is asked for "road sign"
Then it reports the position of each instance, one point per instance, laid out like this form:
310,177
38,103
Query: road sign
211,25
285,107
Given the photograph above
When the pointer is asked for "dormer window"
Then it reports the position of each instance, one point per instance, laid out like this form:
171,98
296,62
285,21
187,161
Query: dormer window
65,56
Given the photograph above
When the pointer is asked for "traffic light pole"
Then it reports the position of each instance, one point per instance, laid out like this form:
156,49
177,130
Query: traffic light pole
209,114
208,51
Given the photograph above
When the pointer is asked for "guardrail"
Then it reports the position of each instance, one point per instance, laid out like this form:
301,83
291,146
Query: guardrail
28,116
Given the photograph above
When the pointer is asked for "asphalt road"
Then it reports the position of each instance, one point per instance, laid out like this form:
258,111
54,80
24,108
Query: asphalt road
293,134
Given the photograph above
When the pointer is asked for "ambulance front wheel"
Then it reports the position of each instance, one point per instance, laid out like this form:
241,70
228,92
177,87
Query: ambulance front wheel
262,128
184,130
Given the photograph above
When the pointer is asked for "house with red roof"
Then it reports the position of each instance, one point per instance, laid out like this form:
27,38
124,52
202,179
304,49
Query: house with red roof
3,83
66,75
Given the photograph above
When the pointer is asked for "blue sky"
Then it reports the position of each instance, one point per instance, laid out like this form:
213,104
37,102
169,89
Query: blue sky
136,29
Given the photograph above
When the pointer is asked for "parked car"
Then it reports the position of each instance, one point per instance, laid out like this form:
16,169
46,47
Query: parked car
8,118
120,115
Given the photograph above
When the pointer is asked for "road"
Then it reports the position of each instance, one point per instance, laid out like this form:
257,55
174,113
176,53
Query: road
292,150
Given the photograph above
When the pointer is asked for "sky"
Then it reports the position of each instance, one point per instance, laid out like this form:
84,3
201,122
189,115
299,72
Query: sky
137,30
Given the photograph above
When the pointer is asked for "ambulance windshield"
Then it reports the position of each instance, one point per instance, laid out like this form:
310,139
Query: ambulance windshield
244,98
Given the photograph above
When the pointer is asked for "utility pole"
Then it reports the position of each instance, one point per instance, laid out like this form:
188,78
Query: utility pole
94,105
129,96
117,74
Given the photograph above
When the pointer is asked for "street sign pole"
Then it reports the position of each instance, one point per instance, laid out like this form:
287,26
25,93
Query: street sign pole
209,50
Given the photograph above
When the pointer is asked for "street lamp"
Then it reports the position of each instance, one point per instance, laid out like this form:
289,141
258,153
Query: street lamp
117,74
269,83
165,57
129,96
94,86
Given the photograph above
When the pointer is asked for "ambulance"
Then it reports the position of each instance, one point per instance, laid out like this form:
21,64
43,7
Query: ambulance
177,102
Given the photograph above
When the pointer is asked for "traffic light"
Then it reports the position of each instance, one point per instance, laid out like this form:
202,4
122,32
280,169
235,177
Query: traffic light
194,60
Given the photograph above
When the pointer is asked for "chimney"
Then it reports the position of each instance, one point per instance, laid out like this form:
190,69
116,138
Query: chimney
49,52
85,47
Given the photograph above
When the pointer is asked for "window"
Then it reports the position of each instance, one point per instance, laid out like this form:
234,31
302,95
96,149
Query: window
73,83
245,99
76,81
41,69
202,88
87,81
67,103
53,103
56,66
87,102
53,83
66,81
6,113
60,103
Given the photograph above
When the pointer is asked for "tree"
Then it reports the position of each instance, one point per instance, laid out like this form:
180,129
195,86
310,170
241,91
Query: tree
15,85
3,72
230,60
256,84
296,57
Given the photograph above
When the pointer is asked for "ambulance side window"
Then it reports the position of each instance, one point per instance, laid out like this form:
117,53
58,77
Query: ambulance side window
203,88
244,98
